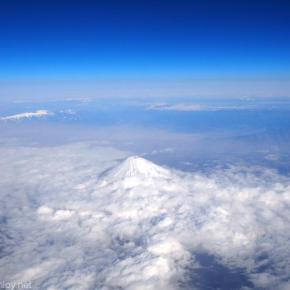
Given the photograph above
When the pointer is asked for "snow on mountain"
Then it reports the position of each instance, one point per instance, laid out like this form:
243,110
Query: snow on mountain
135,171
26,115
135,166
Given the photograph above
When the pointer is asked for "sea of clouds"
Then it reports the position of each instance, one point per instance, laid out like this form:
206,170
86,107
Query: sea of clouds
69,221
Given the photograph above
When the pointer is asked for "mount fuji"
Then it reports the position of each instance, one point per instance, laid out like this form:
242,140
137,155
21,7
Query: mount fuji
136,171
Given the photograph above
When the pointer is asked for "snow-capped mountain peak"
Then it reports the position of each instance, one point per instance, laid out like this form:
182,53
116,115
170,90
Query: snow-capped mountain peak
136,166
134,170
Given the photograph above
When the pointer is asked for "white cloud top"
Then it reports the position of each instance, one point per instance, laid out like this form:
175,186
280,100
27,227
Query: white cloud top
85,217
26,115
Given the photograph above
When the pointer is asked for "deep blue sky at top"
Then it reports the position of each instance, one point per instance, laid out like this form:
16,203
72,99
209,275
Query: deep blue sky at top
63,40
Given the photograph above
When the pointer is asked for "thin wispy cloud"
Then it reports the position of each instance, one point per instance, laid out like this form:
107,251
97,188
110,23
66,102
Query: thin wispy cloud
27,115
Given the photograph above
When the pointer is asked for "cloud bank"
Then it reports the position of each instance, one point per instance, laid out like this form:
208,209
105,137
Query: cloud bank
86,217
193,107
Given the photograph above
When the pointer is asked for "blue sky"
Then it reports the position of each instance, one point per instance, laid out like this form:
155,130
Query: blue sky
156,47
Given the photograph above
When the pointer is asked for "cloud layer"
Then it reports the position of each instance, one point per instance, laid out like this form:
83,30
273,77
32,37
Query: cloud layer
79,216
194,107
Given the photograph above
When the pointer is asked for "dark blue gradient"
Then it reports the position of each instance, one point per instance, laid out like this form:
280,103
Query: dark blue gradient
89,39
